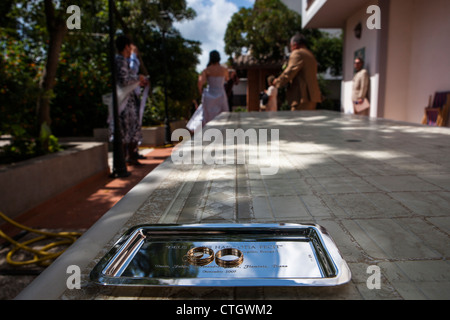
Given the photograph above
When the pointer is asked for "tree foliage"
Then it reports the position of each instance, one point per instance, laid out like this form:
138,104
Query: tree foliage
265,30
262,31
83,69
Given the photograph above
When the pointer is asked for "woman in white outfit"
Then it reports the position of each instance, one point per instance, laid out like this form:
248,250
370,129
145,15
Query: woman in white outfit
272,92
214,98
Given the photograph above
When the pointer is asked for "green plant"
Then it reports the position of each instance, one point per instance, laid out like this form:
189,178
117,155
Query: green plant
19,77
48,143
23,146
240,109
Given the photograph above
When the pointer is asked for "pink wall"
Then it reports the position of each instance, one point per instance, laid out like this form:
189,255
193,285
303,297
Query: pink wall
410,57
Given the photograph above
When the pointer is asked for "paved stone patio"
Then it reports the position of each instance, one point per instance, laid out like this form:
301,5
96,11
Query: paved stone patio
381,188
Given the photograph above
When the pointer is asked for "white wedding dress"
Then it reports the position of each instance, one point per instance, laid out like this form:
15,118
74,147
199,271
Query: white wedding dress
214,102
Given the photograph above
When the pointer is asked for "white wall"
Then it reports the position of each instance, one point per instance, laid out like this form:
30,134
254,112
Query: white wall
430,54
369,40
418,56
398,60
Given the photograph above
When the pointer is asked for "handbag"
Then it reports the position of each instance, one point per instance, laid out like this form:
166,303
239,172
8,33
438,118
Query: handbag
360,107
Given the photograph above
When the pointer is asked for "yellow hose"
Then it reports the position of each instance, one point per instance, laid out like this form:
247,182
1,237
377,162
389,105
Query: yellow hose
41,256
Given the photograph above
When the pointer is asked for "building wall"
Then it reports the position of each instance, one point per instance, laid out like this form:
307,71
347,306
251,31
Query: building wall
398,60
429,69
408,59
369,41
418,59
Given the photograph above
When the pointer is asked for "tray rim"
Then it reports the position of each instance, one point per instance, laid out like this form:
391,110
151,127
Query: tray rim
343,273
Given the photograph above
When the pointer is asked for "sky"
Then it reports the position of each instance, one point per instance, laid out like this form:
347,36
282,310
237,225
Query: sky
210,25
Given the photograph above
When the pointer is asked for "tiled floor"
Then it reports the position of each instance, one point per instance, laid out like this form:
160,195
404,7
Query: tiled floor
380,188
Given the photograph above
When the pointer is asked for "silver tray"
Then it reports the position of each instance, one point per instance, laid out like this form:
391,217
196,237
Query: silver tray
271,255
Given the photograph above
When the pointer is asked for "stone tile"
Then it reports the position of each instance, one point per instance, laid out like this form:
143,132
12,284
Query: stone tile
306,161
426,271
384,293
257,187
281,174
253,172
276,187
407,289
442,223
288,208
419,279
316,207
369,205
348,184
307,186
402,183
362,240
425,203
225,196
189,213
244,209
262,210
178,203
347,246
218,211
368,169
436,290
436,239
362,276
391,238
304,147
441,180
418,167
220,172
327,170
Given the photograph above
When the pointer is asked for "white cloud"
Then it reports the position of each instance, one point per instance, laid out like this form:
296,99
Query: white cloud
210,24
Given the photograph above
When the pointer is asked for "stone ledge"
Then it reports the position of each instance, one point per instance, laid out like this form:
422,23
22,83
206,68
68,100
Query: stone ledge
155,136
151,136
29,183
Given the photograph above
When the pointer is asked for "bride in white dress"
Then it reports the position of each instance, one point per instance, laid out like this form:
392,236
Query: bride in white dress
214,98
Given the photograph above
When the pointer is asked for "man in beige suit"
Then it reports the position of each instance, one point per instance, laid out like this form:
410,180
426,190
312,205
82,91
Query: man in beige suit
360,89
303,92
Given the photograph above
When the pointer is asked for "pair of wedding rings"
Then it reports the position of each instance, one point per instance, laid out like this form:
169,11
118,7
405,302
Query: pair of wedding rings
202,256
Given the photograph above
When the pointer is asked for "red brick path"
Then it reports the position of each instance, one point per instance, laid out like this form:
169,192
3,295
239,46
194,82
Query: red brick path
81,206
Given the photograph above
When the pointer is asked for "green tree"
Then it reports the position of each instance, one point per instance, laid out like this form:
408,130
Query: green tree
328,52
265,30
56,30
33,20
81,68
262,31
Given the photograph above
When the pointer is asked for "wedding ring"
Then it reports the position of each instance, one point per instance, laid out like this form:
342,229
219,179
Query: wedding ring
225,263
195,256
